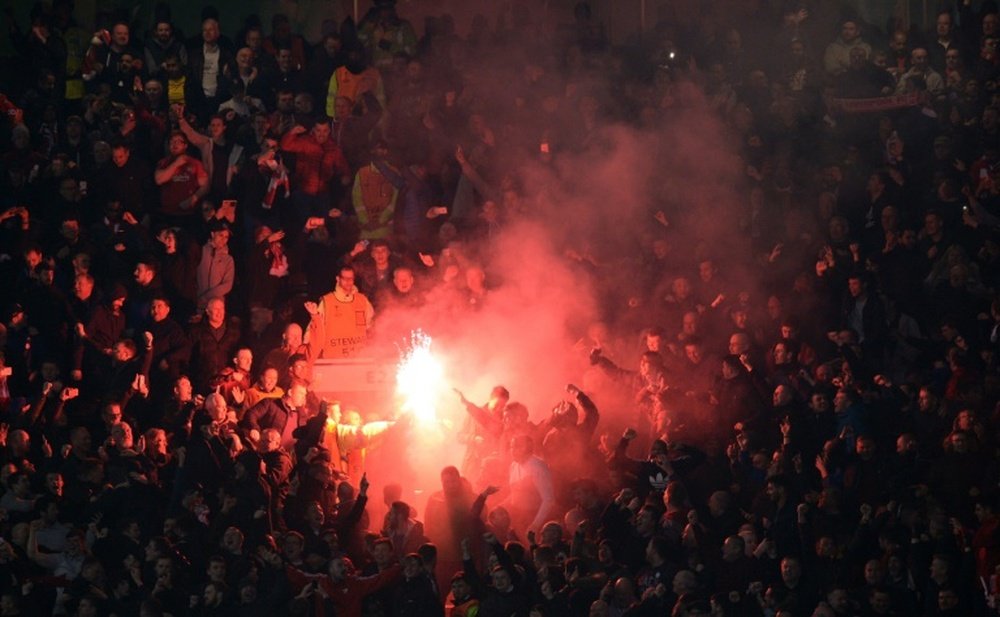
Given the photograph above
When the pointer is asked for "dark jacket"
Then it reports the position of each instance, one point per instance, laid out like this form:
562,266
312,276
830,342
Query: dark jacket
268,413
211,349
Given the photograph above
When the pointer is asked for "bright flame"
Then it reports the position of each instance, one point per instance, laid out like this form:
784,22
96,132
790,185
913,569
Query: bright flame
419,379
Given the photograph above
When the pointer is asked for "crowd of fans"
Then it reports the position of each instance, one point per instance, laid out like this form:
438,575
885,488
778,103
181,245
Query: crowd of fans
808,425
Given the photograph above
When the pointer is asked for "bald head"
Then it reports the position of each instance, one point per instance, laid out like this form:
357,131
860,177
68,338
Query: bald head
293,336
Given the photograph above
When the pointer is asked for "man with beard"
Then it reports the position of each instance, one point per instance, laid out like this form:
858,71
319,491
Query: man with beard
183,181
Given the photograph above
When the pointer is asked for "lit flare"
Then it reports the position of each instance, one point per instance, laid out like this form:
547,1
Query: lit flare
419,379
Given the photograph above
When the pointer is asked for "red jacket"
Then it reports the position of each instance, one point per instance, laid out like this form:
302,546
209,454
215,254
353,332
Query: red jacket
315,164
347,595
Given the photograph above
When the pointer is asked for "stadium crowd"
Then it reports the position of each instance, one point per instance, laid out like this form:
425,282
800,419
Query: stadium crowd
798,420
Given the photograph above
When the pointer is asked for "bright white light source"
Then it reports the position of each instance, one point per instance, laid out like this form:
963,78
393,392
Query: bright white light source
419,379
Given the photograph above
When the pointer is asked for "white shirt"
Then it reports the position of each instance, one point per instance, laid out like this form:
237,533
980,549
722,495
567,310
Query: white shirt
210,71
533,474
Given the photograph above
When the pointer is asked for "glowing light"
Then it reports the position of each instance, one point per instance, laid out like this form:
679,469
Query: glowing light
419,379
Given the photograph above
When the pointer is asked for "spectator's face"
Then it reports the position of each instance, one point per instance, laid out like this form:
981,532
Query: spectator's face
254,39
244,58
122,434
83,286
68,189
740,319
382,554
210,31
939,568
874,572
32,259
943,25
947,600
178,145
693,353
989,49
501,580
790,570
183,389
380,255
303,105
159,310
102,152
865,448
855,287
211,596
342,107
286,102
881,602
321,132
461,589
655,341
269,379
292,548
781,355
990,23
120,156
119,35
782,396
300,370
216,570
157,443
932,225
143,274
216,128
244,360
402,280
293,336
122,353
220,239
163,32
126,64
953,60
919,58
216,311
926,401
54,484
738,344
284,60
841,401
345,280
849,31
681,288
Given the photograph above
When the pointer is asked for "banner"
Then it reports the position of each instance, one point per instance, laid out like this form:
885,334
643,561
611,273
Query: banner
882,103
